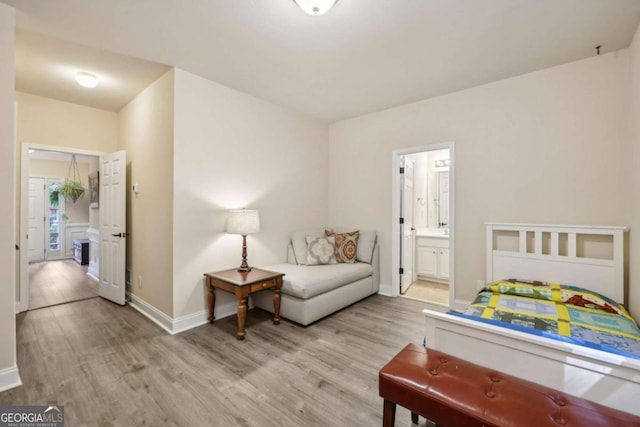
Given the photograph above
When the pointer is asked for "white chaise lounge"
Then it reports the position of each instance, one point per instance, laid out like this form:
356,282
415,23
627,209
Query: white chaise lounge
311,292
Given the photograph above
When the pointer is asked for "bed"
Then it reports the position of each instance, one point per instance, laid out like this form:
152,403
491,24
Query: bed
589,257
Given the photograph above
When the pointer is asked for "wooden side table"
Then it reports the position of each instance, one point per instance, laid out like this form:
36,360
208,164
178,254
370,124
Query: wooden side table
242,284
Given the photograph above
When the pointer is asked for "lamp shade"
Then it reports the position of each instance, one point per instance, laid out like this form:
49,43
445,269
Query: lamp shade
315,7
243,221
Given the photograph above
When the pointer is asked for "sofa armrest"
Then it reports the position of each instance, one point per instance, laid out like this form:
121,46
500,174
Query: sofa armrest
291,256
375,265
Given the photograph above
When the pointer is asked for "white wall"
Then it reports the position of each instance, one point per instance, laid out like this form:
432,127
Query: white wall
7,194
545,147
146,133
634,251
232,151
47,121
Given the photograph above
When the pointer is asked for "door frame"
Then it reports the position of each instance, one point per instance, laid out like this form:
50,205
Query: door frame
23,302
403,229
395,214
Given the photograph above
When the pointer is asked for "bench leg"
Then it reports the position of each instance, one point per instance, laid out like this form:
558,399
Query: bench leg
414,418
389,414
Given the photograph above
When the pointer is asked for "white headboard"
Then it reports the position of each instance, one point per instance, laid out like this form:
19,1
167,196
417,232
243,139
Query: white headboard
605,276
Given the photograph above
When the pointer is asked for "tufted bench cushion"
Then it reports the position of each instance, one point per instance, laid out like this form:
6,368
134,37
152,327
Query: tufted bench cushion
453,392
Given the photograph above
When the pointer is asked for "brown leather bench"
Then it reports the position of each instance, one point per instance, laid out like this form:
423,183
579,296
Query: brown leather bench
452,392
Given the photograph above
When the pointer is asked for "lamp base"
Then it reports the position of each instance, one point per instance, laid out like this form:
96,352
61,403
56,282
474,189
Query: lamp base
244,267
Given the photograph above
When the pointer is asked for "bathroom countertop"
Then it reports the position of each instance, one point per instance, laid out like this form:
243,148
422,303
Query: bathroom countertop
430,232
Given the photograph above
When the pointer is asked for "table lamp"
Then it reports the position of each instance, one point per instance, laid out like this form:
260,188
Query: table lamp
243,222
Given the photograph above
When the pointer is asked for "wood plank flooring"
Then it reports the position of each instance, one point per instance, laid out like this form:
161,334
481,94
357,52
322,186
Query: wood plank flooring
57,282
109,365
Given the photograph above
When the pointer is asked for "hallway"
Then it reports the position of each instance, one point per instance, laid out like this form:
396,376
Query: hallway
58,282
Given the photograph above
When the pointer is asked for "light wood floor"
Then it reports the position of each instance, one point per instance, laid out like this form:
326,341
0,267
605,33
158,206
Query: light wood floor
429,291
109,365
57,282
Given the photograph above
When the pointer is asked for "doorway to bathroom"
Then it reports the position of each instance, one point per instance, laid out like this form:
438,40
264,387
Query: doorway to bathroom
424,234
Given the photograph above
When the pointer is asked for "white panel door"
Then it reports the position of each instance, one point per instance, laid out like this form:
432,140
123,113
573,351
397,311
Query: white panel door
36,220
113,226
407,227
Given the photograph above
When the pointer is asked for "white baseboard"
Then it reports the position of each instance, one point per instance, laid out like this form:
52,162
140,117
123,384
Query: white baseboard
9,378
432,279
386,290
58,258
93,276
189,321
155,315
229,309
183,323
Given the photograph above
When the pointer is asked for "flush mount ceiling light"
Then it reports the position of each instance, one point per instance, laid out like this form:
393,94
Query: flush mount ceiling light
86,79
315,7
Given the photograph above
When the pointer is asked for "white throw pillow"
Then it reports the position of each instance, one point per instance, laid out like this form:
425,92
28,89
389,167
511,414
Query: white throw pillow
299,242
321,250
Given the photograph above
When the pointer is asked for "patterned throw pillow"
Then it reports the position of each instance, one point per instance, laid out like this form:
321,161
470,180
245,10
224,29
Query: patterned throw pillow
321,250
346,246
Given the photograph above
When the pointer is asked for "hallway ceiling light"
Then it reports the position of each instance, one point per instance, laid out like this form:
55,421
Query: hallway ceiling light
86,79
315,7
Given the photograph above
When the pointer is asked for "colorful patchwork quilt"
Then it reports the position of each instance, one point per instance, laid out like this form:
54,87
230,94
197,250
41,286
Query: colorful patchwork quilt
561,312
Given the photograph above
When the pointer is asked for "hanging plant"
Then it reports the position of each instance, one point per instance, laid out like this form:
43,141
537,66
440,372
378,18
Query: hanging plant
72,188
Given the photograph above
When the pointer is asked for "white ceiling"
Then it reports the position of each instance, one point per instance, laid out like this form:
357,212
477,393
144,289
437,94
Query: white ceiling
47,66
362,56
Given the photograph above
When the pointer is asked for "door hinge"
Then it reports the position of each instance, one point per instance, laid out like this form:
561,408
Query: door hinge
401,220
401,170
401,270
